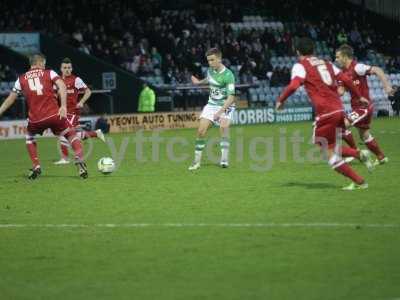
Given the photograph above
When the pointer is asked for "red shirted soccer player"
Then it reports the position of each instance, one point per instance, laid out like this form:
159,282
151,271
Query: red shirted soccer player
43,111
361,115
75,86
319,78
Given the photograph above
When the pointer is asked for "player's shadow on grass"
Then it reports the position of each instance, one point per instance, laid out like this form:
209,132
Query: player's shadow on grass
45,176
310,185
53,176
212,165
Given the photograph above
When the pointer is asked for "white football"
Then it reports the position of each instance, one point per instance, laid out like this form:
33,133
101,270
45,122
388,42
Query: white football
106,165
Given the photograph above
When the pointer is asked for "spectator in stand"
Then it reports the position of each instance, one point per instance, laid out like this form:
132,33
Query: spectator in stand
84,48
156,57
391,66
263,67
342,37
128,34
395,100
313,32
7,74
246,71
2,73
397,63
355,36
275,78
147,99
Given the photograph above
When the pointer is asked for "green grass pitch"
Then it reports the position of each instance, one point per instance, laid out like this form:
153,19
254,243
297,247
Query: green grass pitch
312,241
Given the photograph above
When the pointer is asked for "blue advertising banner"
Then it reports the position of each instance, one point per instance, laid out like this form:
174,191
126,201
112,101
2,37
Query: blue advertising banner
24,43
269,115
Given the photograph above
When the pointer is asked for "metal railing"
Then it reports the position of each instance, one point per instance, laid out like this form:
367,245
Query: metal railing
186,91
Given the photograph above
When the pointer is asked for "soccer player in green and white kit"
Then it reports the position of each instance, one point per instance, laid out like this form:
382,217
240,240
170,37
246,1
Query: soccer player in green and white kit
220,106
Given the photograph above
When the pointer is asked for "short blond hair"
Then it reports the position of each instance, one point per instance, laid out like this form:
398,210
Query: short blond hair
214,51
346,50
36,58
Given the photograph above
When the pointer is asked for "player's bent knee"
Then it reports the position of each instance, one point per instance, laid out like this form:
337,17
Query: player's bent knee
225,123
367,138
30,139
224,127
201,133
68,134
62,138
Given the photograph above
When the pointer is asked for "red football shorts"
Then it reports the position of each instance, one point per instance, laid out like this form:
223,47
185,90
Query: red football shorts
73,119
328,128
54,123
361,117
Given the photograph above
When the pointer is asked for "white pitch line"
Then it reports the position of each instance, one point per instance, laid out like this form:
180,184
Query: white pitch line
194,225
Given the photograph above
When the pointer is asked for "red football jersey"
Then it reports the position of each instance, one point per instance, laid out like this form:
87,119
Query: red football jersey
37,87
74,85
358,73
319,79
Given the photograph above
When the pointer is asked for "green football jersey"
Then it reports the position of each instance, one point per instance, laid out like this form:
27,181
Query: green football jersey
222,84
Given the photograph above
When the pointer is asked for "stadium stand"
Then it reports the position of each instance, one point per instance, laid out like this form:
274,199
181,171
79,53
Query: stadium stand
7,79
164,45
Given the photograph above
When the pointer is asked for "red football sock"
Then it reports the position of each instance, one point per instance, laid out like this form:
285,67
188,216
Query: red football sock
349,139
32,150
88,134
373,146
64,151
75,143
347,171
347,151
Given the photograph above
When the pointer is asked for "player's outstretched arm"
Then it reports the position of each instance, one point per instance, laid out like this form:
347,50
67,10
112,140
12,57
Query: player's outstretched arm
8,102
62,92
85,97
229,101
294,84
347,82
197,81
382,77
